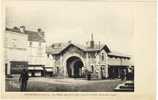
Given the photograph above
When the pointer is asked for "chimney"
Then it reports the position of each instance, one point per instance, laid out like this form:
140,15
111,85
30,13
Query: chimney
87,42
92,41
40,31
22,29
69,41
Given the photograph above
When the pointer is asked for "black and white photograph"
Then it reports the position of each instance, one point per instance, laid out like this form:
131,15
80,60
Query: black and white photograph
53,46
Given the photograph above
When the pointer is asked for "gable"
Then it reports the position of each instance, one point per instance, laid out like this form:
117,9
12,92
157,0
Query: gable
73,49
103,51
105,47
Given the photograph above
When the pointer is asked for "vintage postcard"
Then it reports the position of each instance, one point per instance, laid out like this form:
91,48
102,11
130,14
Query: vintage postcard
78,49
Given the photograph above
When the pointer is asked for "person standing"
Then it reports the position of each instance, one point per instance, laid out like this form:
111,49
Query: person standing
122,75
23,80
89,75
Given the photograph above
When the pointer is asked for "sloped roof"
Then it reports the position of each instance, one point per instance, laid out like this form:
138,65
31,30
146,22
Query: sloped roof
96,48
57,48
32,35
14,30
118,54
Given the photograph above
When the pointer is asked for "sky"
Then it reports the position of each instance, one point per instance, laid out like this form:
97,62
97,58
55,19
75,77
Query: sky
110,23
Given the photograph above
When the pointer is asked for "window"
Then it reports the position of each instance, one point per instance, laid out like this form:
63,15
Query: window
57,70
59,44
40,44
89,55
53,45
93,55
92,67
14,43
30,44
102,56
48,55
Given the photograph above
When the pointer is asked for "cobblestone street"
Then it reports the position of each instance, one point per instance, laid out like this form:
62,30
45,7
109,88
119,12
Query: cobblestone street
41,84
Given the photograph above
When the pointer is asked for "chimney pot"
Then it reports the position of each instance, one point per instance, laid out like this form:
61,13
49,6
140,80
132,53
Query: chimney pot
69,41
22,29
39,30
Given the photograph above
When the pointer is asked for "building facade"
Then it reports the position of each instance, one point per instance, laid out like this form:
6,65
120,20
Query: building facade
74,60
27,49
23,49
15,50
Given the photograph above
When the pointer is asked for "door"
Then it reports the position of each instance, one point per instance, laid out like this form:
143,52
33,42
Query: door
76,71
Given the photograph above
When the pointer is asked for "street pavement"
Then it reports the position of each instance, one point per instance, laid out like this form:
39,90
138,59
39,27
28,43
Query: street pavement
42,84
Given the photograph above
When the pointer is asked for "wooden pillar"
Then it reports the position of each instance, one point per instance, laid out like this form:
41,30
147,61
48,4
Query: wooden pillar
106,66
87,61
61,65
65,71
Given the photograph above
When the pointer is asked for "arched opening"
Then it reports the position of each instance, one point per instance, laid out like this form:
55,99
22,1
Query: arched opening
74,67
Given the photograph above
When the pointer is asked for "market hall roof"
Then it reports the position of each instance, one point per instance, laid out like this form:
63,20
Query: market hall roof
118,54
58,48
32,35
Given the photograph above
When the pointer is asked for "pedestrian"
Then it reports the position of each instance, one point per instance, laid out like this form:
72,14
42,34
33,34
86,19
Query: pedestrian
89,75
122,75
23,79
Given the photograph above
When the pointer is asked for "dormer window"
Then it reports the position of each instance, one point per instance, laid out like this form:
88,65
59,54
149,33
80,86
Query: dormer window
59,44
53,45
